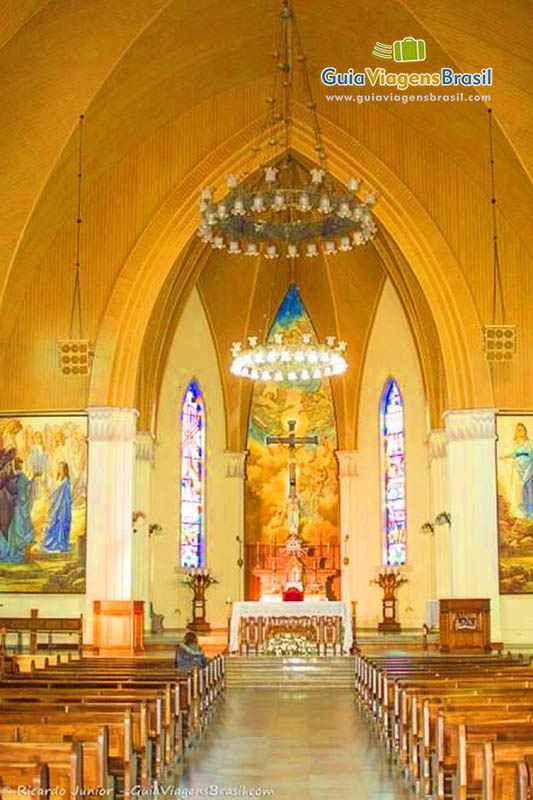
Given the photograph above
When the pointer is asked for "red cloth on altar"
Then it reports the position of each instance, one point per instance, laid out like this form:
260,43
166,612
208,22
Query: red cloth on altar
293,594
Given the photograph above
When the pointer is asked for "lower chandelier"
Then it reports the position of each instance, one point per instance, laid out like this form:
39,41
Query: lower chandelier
289,362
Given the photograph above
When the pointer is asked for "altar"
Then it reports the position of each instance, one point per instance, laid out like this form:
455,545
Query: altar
308,609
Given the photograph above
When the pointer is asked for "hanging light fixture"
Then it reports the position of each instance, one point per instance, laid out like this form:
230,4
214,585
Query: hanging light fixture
283,360
76,353
282,208
289,210
499,338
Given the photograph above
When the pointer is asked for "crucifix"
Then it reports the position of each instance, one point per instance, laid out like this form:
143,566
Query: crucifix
292,440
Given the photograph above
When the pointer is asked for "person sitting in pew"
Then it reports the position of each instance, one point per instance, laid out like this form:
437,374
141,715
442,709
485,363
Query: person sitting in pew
189,654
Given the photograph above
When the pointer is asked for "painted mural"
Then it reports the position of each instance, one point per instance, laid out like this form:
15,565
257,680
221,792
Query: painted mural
43,503
311,405
514,452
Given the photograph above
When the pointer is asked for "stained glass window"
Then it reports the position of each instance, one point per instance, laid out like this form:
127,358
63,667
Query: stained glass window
192,536
393,443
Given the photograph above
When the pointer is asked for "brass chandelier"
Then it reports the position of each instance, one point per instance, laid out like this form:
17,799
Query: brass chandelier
279,207
285,212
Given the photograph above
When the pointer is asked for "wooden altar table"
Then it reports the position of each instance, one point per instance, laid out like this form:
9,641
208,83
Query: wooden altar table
305,608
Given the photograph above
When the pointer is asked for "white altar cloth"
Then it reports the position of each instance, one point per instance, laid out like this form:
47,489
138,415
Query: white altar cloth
432,613
302,608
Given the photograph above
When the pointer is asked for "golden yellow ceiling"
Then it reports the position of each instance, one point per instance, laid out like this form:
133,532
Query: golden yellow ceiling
174,94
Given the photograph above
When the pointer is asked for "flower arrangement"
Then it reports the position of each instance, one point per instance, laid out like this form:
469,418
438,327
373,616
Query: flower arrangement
290,644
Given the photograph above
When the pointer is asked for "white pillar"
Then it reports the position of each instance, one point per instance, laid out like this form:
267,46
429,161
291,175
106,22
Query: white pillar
109,506
347,486
235,474
439,504
471,468
144,462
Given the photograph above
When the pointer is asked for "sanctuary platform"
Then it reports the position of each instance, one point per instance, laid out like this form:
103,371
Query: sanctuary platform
296,674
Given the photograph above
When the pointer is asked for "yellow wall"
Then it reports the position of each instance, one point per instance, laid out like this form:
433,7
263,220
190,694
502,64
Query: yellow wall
517,619
48,605
192,355
391,352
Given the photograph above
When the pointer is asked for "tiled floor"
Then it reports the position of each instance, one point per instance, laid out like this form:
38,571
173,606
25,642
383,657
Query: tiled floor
300,746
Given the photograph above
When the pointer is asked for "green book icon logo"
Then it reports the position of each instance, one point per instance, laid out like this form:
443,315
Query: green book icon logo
407,49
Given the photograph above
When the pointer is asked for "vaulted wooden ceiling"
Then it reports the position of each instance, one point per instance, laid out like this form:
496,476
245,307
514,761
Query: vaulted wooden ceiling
170,90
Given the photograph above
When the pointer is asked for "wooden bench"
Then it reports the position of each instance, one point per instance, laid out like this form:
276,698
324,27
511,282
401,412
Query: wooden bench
35,625
65,764
149,712
456,728
35,782
524,780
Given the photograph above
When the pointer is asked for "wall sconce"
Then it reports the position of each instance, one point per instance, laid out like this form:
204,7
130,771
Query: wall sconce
138,519
427,527
240,560
154,529
444,518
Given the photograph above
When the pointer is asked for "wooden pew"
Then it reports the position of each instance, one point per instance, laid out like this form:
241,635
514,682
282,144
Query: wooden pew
124,762
94,755
469,722
36,784
500,761
66,700
35,625
191,702
129,740
65,769
152,734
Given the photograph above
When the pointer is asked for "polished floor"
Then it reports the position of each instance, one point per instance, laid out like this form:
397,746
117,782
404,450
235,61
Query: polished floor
290,746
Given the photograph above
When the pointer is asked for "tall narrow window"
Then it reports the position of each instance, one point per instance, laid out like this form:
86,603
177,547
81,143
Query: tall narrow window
192,536
393,443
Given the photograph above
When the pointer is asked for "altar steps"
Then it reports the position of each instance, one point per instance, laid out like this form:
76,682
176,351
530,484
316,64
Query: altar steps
270,672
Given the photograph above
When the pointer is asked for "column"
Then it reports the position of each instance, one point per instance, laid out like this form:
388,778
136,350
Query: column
235,475
471,470
439,506
144,462
347,486
109,507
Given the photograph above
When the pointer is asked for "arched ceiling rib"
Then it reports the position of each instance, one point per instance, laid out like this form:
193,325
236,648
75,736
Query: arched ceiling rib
241,297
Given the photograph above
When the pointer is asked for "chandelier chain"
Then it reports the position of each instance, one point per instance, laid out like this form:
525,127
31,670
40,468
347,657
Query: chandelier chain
278,213
76,307
497,283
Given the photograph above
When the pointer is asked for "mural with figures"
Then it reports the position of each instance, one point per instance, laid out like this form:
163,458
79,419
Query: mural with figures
514,452
43,503
311,405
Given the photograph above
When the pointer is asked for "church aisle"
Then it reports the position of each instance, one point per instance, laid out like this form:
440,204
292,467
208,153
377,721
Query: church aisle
298,745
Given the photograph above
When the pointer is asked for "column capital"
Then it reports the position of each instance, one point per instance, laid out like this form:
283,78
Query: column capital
235,466
112,424
436,442
144,446
347,463
470,424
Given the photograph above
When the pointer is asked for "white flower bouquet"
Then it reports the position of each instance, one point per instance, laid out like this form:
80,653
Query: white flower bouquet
290,644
